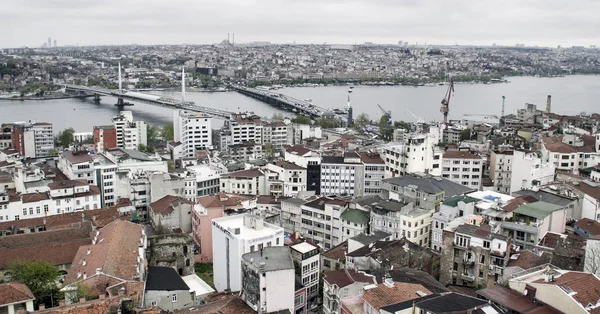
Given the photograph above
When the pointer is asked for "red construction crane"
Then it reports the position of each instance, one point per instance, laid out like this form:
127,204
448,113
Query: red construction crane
446,101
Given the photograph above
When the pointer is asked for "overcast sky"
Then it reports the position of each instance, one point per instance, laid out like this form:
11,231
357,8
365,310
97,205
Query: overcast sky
94,22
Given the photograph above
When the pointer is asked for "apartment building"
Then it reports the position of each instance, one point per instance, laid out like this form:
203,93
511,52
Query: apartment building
501,170
234,236
529,170
571,152
77,165
418,153
321,221
247,182
292,177
374,172
310,160
451,210
33,140
105,137
268,280
193,130
463,168
531,221
130,134
277,134
307,265
473,256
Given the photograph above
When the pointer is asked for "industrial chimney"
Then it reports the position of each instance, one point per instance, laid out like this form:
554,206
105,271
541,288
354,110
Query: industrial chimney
549,104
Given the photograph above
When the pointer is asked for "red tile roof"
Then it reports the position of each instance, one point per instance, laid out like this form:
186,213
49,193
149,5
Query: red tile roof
78,157
345,277
115,252
400,292
288,165
592,227
67,184
14,292
371,158
167,204
252,173
585,285
298,150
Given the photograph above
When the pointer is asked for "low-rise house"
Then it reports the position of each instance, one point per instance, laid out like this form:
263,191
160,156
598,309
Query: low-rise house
354,222
531,221
292,177
389,293
587,228
15,297
171,213
166,290
335,258
340,284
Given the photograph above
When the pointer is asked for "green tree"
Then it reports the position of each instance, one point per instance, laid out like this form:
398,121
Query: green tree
465,134
270,152
278,116
168,132
361,122
152,134
65,137
42,278
402,125
88,140
52,153
385,128
300,119
147,149
327,123
170,164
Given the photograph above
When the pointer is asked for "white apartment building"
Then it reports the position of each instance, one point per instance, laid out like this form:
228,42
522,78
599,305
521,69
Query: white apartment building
342,175
308,260
292,177
571,152
62,197
374,172
130,134
354,222
206,178
234,236
321,221
463,168
245,182
193,130
277,134
245,128
501,170
77,165
268,278
450,212
302,156
401,219
417,154
107,180
33,140
529,170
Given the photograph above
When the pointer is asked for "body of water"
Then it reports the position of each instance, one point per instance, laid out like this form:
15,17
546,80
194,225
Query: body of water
570,95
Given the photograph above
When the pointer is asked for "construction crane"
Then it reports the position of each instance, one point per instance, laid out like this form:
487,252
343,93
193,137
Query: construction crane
446,101
387,113
418,119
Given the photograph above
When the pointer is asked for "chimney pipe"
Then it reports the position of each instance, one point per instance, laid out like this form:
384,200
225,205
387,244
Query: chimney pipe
549,104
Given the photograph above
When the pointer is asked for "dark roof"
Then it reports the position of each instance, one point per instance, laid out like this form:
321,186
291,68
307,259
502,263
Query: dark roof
406,304
527,259
337,252
411,275
298,150
365,239
345,277
355,215
272,258
460,155
546,196
252,173
451,302
288,165
332,160
164,279
431,185
67,184
483,231
513,300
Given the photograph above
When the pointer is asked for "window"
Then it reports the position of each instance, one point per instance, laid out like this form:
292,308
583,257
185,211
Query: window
174,298
154,303
486,244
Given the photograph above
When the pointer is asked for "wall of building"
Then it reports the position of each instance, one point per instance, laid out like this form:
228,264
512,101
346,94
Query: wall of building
172,250
164,299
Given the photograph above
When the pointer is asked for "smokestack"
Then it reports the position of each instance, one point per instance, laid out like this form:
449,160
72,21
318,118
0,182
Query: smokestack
549,104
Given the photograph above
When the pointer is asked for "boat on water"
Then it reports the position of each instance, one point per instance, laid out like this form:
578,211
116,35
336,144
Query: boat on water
307,99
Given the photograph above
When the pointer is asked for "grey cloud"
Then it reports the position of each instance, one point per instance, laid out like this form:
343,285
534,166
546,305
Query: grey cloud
541,22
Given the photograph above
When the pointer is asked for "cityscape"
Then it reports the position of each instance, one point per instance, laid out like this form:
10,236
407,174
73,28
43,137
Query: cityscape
200,178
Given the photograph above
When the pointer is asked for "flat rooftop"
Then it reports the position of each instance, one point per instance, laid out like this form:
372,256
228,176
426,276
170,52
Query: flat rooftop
303,247
237,221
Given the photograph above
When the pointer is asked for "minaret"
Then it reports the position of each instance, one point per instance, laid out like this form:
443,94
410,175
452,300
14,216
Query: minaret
349,110
120,81
183,85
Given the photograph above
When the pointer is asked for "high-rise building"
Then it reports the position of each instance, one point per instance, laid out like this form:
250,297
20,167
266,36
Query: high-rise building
193,130
32,140
307,261
49,42
130,134
55,43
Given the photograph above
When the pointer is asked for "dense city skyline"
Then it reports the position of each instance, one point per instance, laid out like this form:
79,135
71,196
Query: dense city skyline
543,23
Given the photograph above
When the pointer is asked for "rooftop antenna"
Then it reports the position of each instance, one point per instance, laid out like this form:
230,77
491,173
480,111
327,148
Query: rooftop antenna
120,81
183,85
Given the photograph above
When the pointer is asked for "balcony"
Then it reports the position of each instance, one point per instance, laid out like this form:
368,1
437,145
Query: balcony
467,277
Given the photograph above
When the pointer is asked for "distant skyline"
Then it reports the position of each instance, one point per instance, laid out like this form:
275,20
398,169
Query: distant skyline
438,22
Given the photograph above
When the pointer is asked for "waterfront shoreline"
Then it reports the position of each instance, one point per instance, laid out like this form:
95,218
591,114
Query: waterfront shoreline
38,98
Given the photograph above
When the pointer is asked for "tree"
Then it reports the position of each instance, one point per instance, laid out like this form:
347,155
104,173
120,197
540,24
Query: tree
385,128
402,125
270,152
361,122
168,132
327,123
278,116
152,134
88,140
41,278
52,153
146,149
465,135
300,119
65,137
171,164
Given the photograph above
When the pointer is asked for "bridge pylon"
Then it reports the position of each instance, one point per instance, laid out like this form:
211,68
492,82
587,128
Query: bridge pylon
121,104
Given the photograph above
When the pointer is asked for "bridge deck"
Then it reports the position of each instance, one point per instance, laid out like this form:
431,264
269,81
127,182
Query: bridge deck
153,100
